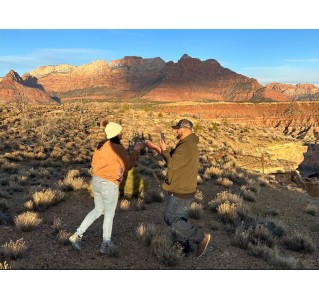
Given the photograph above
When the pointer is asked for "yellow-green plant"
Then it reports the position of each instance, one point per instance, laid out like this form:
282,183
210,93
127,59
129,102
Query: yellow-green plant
133,185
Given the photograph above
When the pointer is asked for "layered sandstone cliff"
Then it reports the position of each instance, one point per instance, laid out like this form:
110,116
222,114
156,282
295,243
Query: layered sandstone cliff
15,89
189,79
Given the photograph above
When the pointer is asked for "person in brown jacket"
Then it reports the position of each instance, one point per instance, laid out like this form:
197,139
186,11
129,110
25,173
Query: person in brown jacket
110,161
180,185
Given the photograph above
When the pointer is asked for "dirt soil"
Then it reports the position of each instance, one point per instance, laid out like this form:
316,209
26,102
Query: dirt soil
47,252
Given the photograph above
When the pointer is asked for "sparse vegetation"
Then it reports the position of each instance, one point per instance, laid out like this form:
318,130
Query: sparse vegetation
14,249
27,221
45,158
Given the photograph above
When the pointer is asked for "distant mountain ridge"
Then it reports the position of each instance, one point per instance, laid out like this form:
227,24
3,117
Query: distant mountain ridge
189,79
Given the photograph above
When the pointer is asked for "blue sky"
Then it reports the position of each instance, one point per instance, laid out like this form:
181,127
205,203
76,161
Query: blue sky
269,55
271,42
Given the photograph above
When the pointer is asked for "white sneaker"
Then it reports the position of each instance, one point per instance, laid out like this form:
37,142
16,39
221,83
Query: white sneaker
75,241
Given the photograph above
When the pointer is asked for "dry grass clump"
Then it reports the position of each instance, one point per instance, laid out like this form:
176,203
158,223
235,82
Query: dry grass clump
56,224
298,241
29,205
247,194
196,211
227,212
146,232
199,196
275,227
46,198
5,266
273,257
225,182
63,237
9,167
312,209
165,249
14,249
72,182
125,205
27,221
213,172
223,197
254,235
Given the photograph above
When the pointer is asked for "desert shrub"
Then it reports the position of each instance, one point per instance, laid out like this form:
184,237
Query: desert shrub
223,197
199,196
254,235
213,172
72,182
46,198
133,185
199,179
27,221
4,266
253,186
56,224
225,182
146,232
260,234
165,250
153,196
63,237
275,227
261,250
125,205
247,195
238,178
273,257
29,205
195,211
9,167
312,209
299,242
241,237
227,212
14,249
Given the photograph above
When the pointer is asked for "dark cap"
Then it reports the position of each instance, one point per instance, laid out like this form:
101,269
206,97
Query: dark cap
184,123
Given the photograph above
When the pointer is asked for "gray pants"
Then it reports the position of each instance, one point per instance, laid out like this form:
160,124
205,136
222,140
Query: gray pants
176,217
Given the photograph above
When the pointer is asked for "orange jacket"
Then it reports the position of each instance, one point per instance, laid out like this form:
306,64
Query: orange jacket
111,161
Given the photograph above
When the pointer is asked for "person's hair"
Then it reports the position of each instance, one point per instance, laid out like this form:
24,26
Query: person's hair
114,140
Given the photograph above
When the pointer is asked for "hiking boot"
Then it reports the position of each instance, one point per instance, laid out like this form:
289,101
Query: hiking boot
202,246
75,241
105,246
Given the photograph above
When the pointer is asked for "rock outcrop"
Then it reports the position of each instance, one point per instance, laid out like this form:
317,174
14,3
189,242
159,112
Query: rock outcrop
15,89
295,92
189,79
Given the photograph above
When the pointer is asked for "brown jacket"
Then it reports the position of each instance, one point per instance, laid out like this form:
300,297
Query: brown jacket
182,166
111,161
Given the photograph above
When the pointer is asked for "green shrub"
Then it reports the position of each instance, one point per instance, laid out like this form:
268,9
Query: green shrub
299,242
133,185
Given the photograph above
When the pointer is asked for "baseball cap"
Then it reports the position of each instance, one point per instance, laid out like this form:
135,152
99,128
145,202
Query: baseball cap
183,123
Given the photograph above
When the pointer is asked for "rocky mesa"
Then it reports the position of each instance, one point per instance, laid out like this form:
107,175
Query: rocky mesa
188,79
